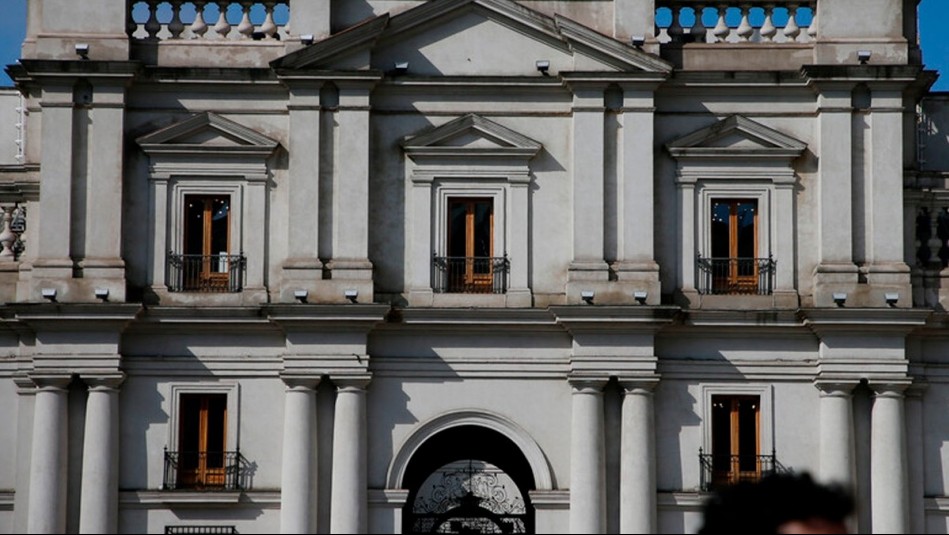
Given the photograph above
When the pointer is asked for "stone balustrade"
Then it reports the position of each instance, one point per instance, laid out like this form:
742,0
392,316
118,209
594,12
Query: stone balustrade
160,20
756,21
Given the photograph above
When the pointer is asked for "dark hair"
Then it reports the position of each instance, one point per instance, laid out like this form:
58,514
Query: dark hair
764,506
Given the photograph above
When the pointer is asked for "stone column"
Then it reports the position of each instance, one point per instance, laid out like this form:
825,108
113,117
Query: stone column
518,239
56,177
836,433
885,193
47,512
888,481
102,261
299,472
835,269
587,459
636,264
588,173
99,505
303,267
916,471
638,459
350,502
351,189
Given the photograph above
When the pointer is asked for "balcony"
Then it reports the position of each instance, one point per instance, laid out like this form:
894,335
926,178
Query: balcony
220,273
470,275
204,470
735,276
722,470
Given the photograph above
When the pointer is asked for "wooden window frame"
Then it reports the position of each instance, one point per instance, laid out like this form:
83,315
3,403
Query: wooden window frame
231,424
215,277
471,276
737,279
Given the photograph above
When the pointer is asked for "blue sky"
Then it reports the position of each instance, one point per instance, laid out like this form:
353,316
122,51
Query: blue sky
932,14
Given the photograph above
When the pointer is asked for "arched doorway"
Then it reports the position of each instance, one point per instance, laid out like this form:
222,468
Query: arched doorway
468,479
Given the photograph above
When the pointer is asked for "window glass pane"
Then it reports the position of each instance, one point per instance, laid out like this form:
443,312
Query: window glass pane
194,225
220,219
746,212
748,433
217,411
457,220
189,426
482,230
720,229
721,434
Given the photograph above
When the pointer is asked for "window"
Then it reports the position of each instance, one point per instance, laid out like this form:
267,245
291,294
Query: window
208,184
735,180
739,435
203,451
468,200
736,439
470,265
206,264
734,266
201,440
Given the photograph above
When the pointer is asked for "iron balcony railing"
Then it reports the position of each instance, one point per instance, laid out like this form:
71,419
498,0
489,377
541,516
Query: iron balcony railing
722,470
200,530
204,470
736,276
220,273
470,275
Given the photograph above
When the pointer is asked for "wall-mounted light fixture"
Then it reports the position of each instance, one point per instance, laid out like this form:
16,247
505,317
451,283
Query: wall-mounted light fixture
49,293
840,299
351,294
864,56
400,67
640,297
543,66
587,296
102,294
82,50
638,40
891,298
307,39
300,295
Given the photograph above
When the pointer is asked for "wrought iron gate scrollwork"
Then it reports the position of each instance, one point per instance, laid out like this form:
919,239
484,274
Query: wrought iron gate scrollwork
469,497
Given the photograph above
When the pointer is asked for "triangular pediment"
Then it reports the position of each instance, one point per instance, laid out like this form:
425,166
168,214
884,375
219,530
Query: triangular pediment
472,37
736,136
207,132
471,135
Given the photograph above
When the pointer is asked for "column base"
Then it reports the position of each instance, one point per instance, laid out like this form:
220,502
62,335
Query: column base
75,283
871,286
640,277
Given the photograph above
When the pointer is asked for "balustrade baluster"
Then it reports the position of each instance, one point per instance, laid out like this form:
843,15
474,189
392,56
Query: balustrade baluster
812,29
152,26
699,32
745,29
130,25
7,237
269,27
721,30
246,27
222,27
176,27
676,31
199,27
792,30
768,30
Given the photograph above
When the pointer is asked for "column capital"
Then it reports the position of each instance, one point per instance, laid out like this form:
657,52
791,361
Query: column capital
300,382
51,381
351,383
587,385
835,388
639,385
104,382
890,389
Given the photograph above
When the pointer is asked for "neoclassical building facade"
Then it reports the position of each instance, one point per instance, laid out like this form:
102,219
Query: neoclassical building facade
350,266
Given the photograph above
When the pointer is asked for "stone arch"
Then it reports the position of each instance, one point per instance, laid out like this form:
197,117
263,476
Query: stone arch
540,469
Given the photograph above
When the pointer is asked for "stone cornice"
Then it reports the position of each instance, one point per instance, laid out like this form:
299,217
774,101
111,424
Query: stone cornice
868,321
80,317
619,319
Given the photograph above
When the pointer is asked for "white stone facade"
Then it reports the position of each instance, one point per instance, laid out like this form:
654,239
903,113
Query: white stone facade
545,251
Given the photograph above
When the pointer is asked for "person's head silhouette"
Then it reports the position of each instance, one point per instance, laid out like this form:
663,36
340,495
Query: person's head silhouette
779,503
